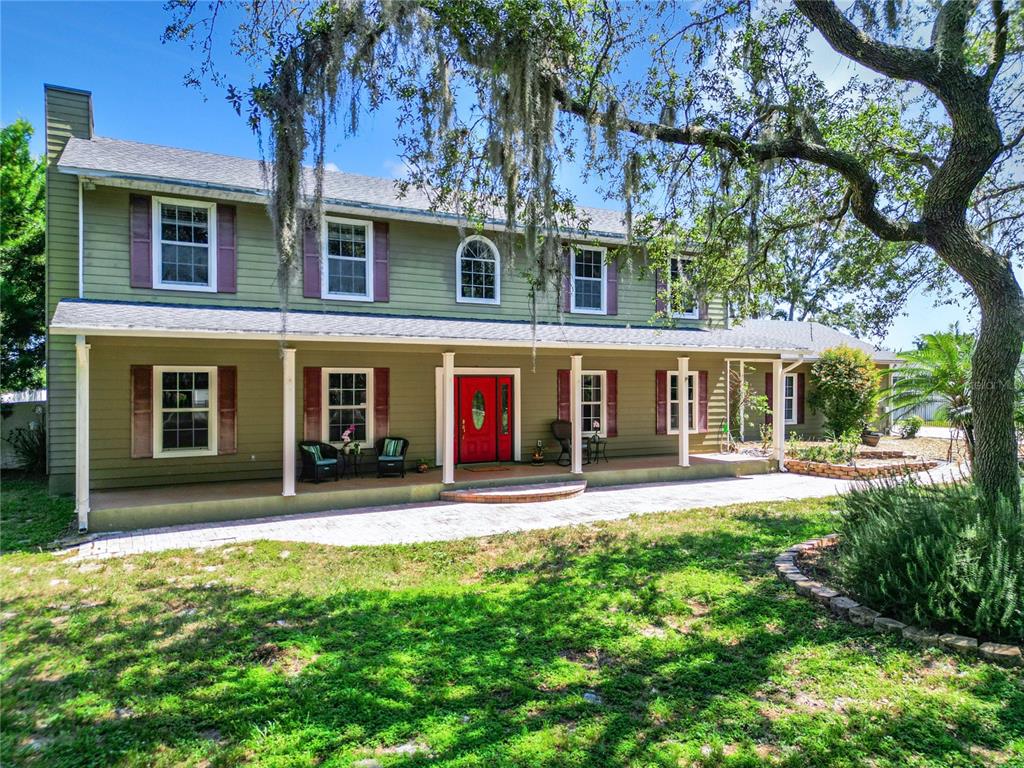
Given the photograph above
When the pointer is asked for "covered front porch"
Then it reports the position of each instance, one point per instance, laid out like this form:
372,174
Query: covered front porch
131,508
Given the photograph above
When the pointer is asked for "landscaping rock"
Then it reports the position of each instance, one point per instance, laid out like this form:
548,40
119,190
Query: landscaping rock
794,577
841,605
885,624
806,586
1003,654
863,616
824,595
959,643
592,698
925,637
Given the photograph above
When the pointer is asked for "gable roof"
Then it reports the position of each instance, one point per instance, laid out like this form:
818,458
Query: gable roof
132,161
815,337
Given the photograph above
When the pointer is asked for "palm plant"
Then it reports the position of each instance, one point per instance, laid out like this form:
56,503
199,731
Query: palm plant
940,369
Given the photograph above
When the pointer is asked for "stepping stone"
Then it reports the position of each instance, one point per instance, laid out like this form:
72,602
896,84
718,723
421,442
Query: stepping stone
885,624
863,616
841,605
824,595
806,587
959,643
925,637
1003,654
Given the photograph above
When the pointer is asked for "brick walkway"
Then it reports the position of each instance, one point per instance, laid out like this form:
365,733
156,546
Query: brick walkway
446,521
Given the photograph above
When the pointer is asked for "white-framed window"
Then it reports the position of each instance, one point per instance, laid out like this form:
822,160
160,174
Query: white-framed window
673,401
589,280
478,266
347,263
677,278
593,402
789,409
184,244
347,405
185,410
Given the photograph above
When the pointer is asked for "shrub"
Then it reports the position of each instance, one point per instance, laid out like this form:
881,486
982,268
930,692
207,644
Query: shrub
836,450
909,427
846,388
29,445
938,556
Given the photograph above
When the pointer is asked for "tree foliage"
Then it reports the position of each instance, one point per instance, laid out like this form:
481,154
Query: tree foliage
703,120
845,388
22,260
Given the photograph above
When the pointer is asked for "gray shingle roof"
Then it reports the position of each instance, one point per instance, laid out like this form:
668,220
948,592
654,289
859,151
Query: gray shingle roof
114,318
150,162
813,336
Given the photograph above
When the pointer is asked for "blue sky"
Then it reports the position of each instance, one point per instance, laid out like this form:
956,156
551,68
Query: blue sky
114,50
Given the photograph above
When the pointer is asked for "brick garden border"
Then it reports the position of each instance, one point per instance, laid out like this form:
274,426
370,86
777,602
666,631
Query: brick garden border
849,472
847,608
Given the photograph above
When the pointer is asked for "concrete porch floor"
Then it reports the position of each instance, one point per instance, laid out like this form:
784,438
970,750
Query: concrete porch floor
131,508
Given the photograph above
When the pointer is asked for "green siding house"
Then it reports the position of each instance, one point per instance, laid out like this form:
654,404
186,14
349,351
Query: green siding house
179,390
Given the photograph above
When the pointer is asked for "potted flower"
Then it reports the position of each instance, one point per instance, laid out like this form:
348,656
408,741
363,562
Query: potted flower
538,454
422,466
869,436
346,440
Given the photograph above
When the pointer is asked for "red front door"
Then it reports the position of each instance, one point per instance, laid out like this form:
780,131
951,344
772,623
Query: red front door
484,426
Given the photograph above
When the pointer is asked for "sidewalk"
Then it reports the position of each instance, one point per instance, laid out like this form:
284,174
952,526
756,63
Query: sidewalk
446,521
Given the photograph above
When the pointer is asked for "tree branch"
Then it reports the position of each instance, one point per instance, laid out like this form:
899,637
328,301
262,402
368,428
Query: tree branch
949,30
846,39
1002,18
927,161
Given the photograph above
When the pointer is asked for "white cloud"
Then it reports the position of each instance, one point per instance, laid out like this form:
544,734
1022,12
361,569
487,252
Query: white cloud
331,167
396,168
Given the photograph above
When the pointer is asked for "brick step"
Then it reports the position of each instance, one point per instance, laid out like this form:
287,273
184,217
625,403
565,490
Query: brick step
517,494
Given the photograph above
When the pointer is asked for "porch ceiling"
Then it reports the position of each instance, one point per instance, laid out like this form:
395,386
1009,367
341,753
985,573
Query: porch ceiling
93,318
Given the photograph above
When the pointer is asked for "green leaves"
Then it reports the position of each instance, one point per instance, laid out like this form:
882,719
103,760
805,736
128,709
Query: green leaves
845,388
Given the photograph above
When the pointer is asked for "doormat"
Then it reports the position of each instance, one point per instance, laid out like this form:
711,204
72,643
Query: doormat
496,468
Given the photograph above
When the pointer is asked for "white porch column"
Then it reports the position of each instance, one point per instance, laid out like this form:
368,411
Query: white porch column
576,409
683,394
82,432
742,415
448,418
288,404
778,414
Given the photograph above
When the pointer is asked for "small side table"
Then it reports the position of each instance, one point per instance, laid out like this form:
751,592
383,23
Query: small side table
351,460
597,449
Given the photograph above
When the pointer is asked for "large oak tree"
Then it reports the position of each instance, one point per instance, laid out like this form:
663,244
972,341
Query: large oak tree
704,121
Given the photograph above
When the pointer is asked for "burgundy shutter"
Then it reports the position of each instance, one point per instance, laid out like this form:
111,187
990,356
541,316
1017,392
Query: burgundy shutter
227,408
142,411
613,287
659,292
141,256
381,263
312,384
567,282
661,402
564,384
800,383
310,265
769,392
611,427
227,250
381,400
702,401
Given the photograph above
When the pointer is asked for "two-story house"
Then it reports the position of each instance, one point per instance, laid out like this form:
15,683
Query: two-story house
178,390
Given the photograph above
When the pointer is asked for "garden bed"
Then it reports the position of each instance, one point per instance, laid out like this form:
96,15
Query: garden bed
865,470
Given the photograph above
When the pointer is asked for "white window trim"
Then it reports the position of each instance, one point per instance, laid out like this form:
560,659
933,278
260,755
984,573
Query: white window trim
157,255
325,408
692,376
793,399
603,431
158,410
459,298
692,315
604,281
368,228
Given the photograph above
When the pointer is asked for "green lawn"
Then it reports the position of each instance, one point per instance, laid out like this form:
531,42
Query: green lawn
660,641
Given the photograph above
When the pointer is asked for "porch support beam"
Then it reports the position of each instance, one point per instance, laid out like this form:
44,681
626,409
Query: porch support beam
288,408
778,415
576,409
742,414
447,418
82,432
683,395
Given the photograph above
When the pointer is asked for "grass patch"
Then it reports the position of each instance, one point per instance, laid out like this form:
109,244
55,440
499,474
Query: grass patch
663,640
30,518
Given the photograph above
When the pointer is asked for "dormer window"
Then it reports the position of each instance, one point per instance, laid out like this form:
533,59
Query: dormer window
479,271
679,278
589,281
182,255
347,260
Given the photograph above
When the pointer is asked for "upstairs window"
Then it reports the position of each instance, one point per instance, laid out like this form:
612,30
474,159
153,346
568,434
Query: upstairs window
182,255
679,277
589,281
479,271
348,260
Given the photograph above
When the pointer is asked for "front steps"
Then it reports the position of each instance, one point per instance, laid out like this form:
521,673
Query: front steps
516,494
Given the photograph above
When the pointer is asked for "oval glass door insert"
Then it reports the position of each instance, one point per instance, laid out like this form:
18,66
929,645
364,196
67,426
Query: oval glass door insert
478,410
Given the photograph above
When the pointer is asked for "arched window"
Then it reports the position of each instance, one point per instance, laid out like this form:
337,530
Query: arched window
478,266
